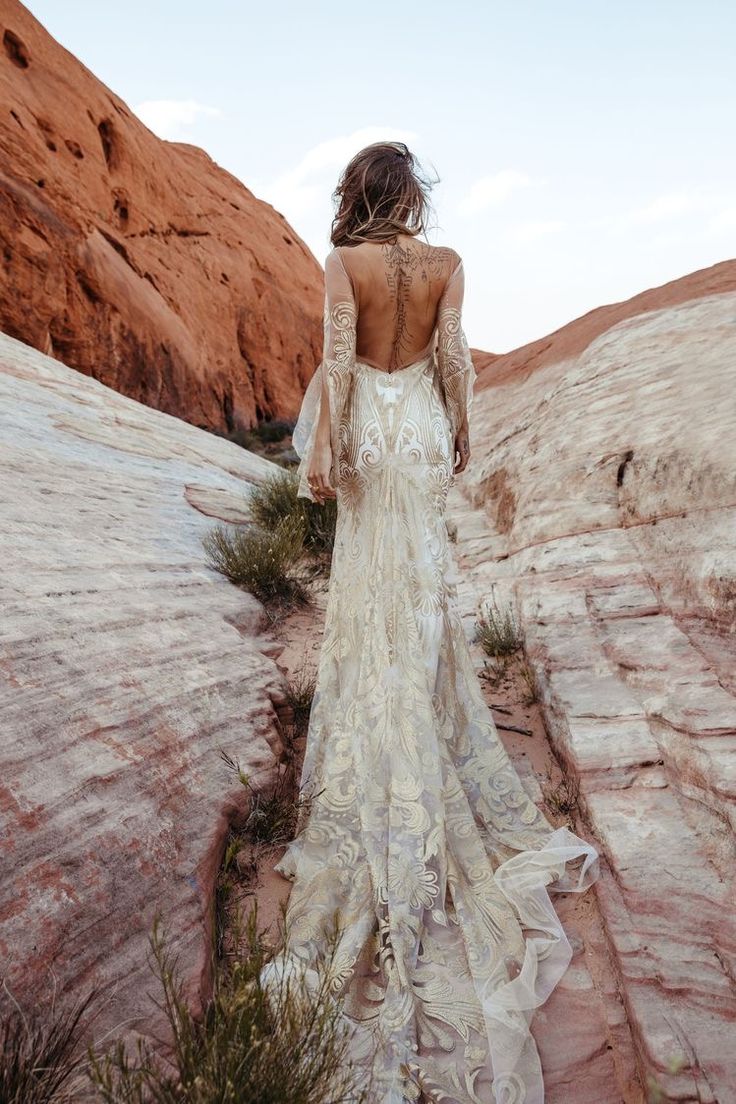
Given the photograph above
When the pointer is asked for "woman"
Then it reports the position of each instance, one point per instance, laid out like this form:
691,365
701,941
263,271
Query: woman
421,840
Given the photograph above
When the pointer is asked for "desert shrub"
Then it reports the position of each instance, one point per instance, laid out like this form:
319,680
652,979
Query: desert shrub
498,632
265,563
253,439
276,498
283,1043
274,430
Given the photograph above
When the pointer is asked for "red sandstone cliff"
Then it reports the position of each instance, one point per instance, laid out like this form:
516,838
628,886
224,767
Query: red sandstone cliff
571,339
138,261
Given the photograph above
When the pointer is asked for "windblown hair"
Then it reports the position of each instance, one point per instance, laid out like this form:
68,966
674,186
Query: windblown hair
382,192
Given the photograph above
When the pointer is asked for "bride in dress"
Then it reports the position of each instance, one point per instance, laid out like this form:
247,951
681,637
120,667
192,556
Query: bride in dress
421,840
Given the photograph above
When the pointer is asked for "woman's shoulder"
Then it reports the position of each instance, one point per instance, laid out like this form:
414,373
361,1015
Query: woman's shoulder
440,257
451,256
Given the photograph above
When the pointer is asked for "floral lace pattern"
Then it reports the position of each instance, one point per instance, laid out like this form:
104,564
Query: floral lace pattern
457,374
421,839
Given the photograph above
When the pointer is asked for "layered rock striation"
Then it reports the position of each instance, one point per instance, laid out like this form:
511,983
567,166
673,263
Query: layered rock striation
601,500
127,666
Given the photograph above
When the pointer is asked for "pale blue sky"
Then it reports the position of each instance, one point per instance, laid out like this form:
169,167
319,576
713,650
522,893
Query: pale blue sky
585,149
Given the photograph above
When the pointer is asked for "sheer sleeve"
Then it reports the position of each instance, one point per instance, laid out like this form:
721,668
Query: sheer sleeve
331,382
456,369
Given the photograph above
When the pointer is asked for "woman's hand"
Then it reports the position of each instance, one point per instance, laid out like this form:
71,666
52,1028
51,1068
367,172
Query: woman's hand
462,446
318,473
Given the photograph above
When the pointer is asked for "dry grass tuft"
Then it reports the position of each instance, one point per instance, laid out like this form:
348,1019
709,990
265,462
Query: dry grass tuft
498,632
282,1043
532,691
300,695
564,797
42,1056
495,671
268,564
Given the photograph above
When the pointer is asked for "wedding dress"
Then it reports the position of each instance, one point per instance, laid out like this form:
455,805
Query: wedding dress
421,839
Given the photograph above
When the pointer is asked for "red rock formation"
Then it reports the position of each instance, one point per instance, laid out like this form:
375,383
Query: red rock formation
138,261
573,338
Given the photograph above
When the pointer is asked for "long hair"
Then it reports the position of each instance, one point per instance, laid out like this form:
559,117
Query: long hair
382,192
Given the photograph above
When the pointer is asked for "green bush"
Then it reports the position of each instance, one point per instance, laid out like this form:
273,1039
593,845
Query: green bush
276,498
264,563
281,1044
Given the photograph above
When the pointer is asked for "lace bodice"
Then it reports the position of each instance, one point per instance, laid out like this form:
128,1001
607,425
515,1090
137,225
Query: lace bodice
398,304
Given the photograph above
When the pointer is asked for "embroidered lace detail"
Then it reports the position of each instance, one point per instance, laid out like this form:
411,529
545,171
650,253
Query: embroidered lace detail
454,372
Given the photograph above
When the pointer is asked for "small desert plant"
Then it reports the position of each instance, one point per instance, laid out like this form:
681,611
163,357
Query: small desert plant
562,798
529,678
273,813
498,632
265,563
276,498
265,1044
495,670
299,696
42,1056
234,845
275,810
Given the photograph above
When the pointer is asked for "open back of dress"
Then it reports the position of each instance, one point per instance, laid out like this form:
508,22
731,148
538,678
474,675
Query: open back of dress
397,290
420,837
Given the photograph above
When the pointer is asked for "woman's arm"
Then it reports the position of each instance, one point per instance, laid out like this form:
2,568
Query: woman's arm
456,368
340,323
320,462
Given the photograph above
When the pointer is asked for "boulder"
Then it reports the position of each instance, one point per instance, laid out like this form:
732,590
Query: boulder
600,499
126,666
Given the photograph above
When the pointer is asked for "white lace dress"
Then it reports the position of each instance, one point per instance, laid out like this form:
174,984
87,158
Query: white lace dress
422,840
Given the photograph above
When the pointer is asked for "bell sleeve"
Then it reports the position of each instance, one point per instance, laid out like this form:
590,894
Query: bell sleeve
324,406
457,373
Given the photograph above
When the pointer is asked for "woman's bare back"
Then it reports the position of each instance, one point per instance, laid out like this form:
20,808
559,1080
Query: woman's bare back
397,288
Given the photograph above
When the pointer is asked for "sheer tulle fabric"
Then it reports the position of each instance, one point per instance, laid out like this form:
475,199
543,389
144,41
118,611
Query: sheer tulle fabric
421,841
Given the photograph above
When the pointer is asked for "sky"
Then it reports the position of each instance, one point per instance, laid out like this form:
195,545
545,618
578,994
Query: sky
583,149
